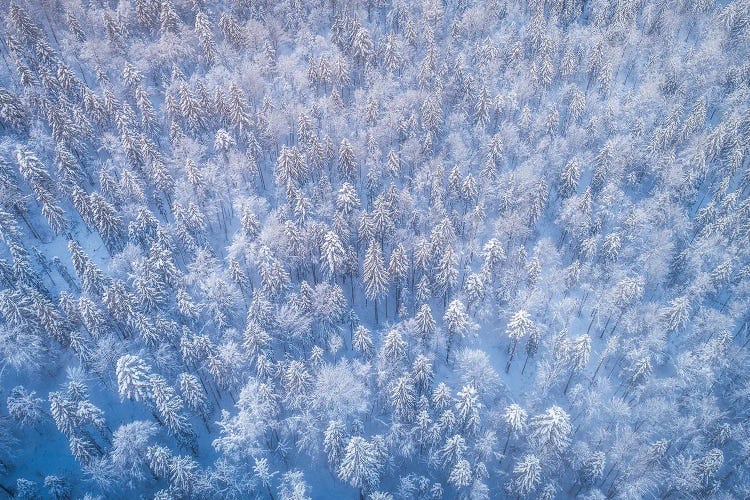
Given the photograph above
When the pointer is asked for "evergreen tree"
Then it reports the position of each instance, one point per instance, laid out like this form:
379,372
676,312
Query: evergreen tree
527,474
362,341
578,356
204,32
332,254
550,431
347,162
446,273
515,419
467,409
132,377
519,326
24,406
375,275
334,442
347,200
425,324
456,322
360,466
461,474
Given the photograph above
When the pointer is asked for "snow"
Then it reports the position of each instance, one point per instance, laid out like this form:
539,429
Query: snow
561,186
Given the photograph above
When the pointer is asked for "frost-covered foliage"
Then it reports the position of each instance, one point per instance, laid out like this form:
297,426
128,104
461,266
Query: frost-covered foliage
389,249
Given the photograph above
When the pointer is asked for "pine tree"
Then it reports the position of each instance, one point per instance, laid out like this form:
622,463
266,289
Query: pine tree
577,105
106,219
422,372
159,458
456,321
446,273
394,347
57,487
432,112
63,411
36,175
347,162
519,326
262,473
482,108
347,200
453,450
293,486
533,271
639,372
592,468
527,474
398,267
231,30
362,341
183,471
203,30
297,380
467,408
362,45
24,407
239,116
332,254
132,377
678,313
441,396
611,247
83,449
532,345
425,324
709,465
454,182
578,356
494,255
550,431
569,178
461,474
223,141
169,406
360,466
515,419
375,275
403,398
334,442
12,112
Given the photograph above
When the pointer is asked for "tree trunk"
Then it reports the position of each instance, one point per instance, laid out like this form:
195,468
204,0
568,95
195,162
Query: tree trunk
593,377
512,353
448,349
605,326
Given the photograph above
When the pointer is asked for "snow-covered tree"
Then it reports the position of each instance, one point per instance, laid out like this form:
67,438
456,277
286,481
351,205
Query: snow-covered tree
133,377
240,186
526,475
375,275
332,254
519,326
360,465
550,431
515,419
24,406
457,321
